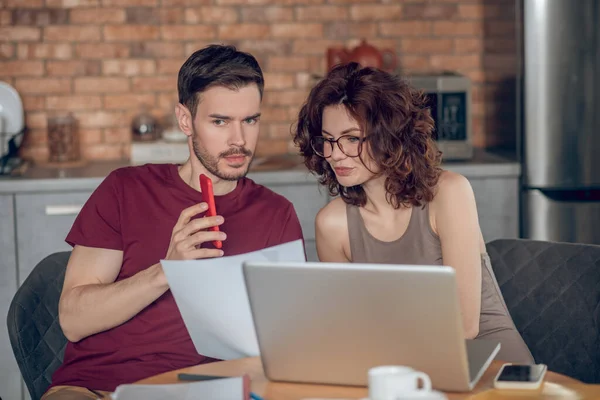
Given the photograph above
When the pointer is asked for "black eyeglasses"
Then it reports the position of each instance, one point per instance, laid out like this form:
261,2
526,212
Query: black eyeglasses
348,144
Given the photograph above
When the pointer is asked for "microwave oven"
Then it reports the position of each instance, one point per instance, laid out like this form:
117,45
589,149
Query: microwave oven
449,99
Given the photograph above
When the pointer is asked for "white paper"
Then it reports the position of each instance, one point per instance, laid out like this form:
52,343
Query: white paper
212,299
217,389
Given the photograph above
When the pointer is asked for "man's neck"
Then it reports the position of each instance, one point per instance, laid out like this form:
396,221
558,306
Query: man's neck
190,173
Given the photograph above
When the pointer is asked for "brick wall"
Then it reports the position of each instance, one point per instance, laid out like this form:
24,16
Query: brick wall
102,59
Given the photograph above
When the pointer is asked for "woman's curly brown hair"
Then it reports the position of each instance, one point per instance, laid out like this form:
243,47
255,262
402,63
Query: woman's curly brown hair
394,119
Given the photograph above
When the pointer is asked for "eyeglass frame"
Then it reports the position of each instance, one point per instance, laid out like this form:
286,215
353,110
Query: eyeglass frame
336,141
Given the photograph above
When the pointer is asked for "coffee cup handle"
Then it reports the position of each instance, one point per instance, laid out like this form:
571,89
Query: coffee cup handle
425,380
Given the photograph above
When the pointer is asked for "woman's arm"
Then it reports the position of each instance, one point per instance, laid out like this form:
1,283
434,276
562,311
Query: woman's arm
455,221
331,230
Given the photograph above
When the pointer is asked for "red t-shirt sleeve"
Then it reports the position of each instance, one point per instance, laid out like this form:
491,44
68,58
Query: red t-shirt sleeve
291,228
99,221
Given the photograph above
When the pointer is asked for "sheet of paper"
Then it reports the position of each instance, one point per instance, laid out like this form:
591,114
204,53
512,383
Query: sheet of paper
218,389
211,296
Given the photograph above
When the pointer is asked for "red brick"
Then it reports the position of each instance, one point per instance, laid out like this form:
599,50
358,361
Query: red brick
267,146
191,47
243,2
117,135
297,30
305,80
35,153
104,152
211,15
285,98
130,3
187,32
99,119
154,84
153,15
430,11
22,68
23,4
322,13
503,62
36,120
406,28
169,66
34,103
73,68
274,80
500,28
128,101
35,137
288,63
19,34
267,14
167,101
57,51
244,31
39,17
130,33
458,28
344,30
43,85
415,63
353,1
265,46
7,51
375,12
128,67
72,3
89,136
456,62
101,85
274,114
426,45
97,16
5,17
500,45
298,2
471,11
189,3
73,103
102,50
468,45
157,49
72,34
314,47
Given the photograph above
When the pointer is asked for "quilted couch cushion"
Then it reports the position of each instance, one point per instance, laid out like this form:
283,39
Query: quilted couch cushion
35,334
552,291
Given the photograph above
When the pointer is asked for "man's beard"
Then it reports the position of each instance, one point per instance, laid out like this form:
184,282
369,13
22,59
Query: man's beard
211,163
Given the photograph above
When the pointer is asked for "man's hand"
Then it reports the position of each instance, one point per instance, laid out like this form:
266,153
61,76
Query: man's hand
189,234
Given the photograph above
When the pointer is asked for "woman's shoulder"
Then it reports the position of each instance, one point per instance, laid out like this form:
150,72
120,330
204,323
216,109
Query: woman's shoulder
332,217
451,185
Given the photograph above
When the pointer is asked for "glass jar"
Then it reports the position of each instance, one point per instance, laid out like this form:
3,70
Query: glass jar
63,139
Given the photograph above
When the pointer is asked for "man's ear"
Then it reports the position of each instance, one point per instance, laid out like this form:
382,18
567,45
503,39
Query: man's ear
184,118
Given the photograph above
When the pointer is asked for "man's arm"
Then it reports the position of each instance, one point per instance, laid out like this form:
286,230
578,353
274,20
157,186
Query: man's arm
91,300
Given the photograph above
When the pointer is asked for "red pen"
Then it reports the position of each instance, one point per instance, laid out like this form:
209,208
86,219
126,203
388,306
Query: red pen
208,195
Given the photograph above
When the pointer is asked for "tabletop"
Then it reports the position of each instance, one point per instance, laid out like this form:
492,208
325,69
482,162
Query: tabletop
554,385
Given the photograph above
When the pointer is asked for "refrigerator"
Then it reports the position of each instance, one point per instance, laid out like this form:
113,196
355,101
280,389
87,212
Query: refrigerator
560,142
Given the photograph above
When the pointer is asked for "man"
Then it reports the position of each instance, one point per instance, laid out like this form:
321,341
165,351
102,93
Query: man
116,310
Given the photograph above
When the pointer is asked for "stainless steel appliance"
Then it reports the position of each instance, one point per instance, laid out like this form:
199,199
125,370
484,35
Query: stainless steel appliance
449,97
561,140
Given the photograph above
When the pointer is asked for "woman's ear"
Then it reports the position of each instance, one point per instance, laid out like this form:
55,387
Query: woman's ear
185,120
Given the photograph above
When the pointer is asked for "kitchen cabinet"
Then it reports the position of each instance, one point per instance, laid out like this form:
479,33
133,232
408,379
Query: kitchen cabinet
10,376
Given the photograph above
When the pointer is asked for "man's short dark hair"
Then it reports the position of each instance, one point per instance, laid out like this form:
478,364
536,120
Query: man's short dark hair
216,65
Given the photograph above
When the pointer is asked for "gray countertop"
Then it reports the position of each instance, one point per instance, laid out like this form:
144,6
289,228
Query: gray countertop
87,178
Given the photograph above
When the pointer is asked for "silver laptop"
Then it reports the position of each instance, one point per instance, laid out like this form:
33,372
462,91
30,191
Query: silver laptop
328,323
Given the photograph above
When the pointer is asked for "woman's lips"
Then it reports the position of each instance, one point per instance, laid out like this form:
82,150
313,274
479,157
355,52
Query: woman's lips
343,171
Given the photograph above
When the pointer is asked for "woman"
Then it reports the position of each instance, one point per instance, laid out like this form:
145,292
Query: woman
368,136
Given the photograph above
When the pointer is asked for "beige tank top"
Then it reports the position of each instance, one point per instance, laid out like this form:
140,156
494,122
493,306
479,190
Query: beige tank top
420,245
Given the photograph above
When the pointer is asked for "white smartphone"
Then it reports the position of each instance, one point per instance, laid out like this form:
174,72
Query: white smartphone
520,376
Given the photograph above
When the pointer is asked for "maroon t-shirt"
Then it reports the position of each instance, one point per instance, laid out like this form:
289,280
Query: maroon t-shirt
134,210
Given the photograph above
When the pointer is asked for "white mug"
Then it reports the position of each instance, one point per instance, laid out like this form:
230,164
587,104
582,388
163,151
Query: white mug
392,382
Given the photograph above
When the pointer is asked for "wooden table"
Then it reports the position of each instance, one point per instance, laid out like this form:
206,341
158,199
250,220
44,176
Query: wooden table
554,383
